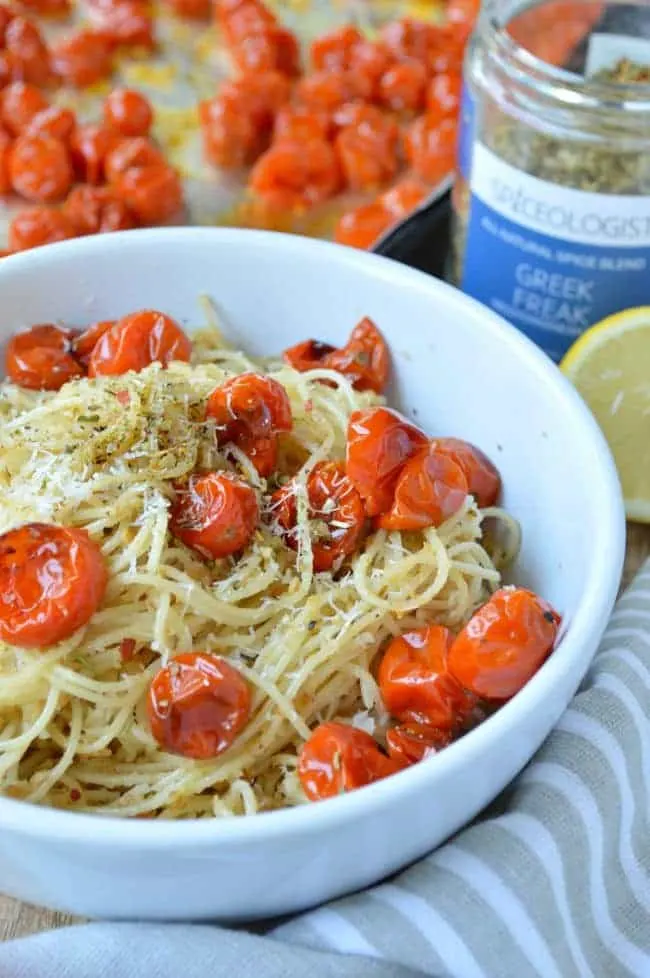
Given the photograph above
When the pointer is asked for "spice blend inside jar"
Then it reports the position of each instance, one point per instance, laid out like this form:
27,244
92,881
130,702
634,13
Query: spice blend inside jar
552,197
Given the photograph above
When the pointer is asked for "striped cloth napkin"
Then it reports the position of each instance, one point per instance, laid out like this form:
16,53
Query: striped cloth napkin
552,882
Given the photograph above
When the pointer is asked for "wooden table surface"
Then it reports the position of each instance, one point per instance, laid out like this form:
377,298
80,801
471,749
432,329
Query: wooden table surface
18,919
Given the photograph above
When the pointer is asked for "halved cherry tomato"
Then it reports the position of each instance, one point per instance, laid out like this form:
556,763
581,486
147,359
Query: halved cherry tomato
416,684
94,210
380,442
336,514
430,489
137,340
89,147
24,42
326,91
368,150
299,124
403,198
215,514
334,51
362,226
431,147
84,343
308,355
52,580
191,9
338,758
296,175
83,58
41,358
131,154
444,94
402,86
38,226
53,121
128,112
40,168
153,194
410,743
483,479
365,358
270,48
504,643
19,103
249,411
197,705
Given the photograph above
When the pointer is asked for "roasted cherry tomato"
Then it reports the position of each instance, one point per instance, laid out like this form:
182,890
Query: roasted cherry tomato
128,112
52,581
326,91
408,38
368,150
153,194
271,48
215,514
243,18
410,743
295,176
334,51
38,226
369,61
85,342
54,122
90,145
431,147
19,103
298,124
233,136
402,87
308,355
131,154
504,643
362,226
197,705
429,490
83,59
249,411
483,479
191,9
365,358
127,24
380,442
336,514
444,94
24,43
338,758
93,210
6,144
41,358
47,8
137,340
6,16
40,168
415,683
403,198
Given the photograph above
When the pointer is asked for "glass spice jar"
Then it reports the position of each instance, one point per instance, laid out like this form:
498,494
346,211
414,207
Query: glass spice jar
551,223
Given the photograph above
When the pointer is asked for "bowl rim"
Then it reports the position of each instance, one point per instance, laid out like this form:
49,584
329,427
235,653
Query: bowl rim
598,592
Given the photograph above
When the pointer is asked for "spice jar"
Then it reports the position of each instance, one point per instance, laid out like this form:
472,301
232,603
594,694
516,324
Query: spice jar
552,197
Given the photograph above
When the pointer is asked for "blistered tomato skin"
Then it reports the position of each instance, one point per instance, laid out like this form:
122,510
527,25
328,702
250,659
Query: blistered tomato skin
41,358
365,358
410,743
504,644
38,226
197,705
137,340
215,514
307,355
337,759
52,581
416,683
430,489
483,479
379,443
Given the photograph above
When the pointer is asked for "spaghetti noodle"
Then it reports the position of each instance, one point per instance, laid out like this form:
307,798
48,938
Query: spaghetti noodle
102,454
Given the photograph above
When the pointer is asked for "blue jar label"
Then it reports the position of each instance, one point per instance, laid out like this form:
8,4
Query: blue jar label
552,260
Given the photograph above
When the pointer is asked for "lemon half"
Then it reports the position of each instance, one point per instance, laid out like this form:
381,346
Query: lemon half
610,366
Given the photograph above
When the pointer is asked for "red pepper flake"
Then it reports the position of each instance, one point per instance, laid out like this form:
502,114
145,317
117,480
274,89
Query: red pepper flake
75,794
123,397
127,649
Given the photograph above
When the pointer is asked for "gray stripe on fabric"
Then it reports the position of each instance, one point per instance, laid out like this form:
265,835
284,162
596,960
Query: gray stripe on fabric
470,915
525,874
582,847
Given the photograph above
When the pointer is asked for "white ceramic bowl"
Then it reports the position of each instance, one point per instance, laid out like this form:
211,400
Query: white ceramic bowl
458,370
